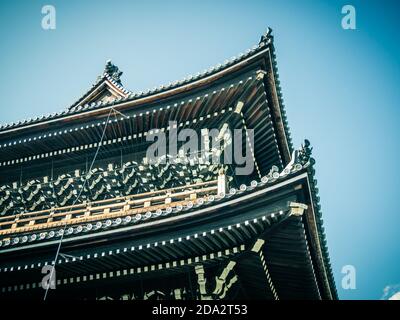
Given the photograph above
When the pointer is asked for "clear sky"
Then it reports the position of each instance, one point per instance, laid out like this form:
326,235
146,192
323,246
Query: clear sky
341,91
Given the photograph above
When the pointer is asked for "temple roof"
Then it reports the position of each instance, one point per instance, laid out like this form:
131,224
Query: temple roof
299,169
206,99
108,91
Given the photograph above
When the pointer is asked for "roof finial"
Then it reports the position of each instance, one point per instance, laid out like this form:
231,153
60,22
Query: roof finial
113,71
266,37
304,154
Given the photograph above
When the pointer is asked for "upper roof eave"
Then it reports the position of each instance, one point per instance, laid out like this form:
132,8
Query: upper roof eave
77,110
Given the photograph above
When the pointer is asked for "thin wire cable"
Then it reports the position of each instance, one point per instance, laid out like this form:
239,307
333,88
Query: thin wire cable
76,199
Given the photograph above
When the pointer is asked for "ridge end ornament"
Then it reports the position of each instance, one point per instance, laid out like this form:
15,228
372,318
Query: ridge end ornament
301,158
266,38
113,71
304,154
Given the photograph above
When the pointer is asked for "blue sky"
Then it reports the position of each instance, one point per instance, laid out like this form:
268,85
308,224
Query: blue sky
340,89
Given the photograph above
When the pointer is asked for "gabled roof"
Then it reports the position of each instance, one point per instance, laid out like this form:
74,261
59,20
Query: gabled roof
107,89
109,83
96,105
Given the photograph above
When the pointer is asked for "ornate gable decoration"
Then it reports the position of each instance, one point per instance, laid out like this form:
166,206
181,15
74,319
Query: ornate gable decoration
107,88
113,71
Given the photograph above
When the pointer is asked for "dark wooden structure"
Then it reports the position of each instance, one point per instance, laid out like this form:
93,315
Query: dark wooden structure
133,229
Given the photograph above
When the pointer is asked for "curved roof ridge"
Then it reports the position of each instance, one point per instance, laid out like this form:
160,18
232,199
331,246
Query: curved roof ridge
114,78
